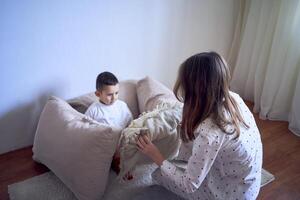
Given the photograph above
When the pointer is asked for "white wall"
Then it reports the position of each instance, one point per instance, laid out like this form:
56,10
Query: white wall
58,47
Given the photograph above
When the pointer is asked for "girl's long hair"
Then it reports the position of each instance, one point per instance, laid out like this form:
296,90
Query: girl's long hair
203,86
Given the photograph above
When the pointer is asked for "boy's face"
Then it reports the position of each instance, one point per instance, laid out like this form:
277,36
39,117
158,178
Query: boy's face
109,94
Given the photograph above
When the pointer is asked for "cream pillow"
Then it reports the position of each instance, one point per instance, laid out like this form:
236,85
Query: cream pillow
128,95
161,125
161,118
148,90
81,103
76,148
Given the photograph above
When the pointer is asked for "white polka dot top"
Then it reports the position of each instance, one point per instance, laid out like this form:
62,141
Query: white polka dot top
219,166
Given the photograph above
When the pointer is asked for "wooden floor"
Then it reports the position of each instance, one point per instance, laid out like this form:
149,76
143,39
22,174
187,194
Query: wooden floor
281,158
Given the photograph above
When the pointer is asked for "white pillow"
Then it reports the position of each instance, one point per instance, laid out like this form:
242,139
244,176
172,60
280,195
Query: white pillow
162,126
148,90
76,148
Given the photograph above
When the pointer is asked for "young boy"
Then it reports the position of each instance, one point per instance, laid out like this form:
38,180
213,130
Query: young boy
109,109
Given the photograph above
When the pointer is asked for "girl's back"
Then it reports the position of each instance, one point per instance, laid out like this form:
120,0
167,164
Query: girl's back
236,165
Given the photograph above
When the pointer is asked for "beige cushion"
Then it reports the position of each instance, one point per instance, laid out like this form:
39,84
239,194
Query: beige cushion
163,114
127,94
82,102
149,91
76,148
159,99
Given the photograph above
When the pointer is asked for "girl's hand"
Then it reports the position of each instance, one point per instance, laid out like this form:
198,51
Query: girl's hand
149,149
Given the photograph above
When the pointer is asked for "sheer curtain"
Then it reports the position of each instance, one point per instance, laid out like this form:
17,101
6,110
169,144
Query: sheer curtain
265,59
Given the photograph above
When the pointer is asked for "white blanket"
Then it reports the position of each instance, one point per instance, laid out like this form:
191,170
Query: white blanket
162,125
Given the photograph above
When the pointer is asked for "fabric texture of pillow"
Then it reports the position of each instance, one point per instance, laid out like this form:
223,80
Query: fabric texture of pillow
159,99
76,148
148,90
82,102
128,95
162,126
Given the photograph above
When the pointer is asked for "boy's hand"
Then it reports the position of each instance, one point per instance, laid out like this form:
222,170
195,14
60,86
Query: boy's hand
149,149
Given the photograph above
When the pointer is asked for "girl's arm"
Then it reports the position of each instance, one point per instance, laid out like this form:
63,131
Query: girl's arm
205,149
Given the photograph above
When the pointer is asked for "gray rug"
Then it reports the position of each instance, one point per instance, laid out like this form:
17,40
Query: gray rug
266,177
48,187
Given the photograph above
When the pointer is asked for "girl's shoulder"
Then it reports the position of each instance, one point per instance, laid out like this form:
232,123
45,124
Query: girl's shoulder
235,96
207,127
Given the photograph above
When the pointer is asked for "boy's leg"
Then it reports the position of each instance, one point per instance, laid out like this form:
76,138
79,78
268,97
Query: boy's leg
115,164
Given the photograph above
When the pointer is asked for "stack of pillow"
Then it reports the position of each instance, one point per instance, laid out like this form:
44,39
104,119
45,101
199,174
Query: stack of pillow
160,119
78,149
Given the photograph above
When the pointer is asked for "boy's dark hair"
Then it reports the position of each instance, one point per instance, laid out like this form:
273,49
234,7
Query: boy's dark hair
106,78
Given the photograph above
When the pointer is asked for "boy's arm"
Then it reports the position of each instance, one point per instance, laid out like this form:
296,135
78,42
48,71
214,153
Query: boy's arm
90,112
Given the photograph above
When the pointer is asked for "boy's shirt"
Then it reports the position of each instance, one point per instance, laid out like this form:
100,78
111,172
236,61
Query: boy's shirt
117,114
